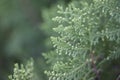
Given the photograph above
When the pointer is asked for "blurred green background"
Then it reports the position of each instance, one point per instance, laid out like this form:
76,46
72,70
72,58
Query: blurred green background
25,27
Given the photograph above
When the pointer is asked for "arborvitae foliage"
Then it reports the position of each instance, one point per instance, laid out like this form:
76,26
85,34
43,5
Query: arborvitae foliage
89,36
48,24
23,72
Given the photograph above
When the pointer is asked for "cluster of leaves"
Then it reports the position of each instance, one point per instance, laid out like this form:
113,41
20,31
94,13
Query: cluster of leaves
93,29
17,23
23,72
48,25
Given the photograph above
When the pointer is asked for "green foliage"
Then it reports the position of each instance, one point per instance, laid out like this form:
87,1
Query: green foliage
48,25
93,29
23,72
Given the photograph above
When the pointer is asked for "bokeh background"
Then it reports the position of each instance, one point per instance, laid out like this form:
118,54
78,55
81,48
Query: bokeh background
25,27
